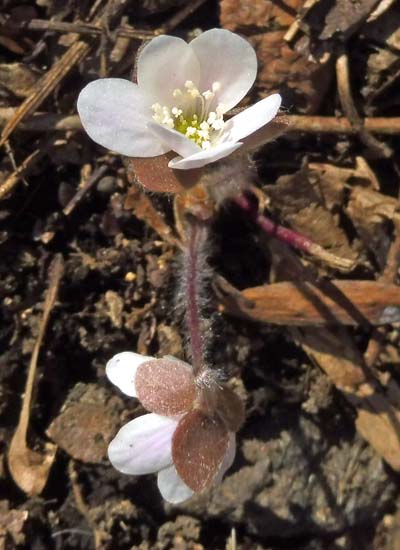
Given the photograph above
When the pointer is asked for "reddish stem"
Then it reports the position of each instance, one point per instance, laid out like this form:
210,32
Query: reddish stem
194,272
284,234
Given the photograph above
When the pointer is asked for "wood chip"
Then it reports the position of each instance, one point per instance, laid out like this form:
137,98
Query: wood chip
301,303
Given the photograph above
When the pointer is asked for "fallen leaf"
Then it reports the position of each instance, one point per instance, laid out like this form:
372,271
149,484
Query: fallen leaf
87,422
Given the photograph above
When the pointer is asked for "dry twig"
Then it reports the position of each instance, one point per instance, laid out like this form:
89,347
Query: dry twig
378,149
44,122
28,468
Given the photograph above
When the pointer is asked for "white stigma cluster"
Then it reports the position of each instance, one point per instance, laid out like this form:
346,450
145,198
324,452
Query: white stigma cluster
191,115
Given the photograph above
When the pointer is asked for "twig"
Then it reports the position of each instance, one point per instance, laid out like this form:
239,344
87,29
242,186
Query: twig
43,122
388,276
182,14
45,86
30,469
379,150
91,29
290,237
25,167
84,189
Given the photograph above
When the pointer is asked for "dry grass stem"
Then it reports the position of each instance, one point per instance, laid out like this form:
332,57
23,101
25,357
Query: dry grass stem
28,468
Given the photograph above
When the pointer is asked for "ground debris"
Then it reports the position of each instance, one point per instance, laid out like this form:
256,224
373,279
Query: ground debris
302,80
87,422
299,200
12,523
317,459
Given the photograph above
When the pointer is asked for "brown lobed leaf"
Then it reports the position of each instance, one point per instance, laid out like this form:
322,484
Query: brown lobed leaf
165,386
199,445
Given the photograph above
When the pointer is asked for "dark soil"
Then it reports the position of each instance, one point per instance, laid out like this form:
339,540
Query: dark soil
303,478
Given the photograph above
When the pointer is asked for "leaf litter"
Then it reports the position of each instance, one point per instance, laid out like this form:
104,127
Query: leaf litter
295,319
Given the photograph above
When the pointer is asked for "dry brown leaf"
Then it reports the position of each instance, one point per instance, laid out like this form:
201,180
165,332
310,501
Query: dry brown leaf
369,212
244,14
17,78
378,420
302,303
28,468
345,17
87,422
115,306
302,80
144,210
11,525
299,202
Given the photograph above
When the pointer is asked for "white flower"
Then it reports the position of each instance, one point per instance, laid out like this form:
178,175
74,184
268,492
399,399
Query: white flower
188,446
179,102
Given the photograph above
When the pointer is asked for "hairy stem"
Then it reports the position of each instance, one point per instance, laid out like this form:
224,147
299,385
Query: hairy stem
290,237
271,228
193,283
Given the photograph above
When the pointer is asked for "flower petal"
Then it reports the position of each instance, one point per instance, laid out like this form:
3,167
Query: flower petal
164,65
166,386
228,458
251,119
199,446
121,370
171,487
114,112
174,140
228,59
204,157
143,446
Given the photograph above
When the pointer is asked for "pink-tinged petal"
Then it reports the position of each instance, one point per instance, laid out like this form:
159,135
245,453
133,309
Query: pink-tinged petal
228,59
174,140
204,157
199,446
115,113
252,118
121,370
164,65
171,487
143,446
166,386
228,458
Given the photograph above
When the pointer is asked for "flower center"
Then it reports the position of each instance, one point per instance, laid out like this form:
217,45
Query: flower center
192,115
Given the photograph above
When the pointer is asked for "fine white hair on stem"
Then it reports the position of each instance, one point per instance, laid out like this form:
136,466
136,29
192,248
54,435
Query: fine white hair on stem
192,296
229,178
